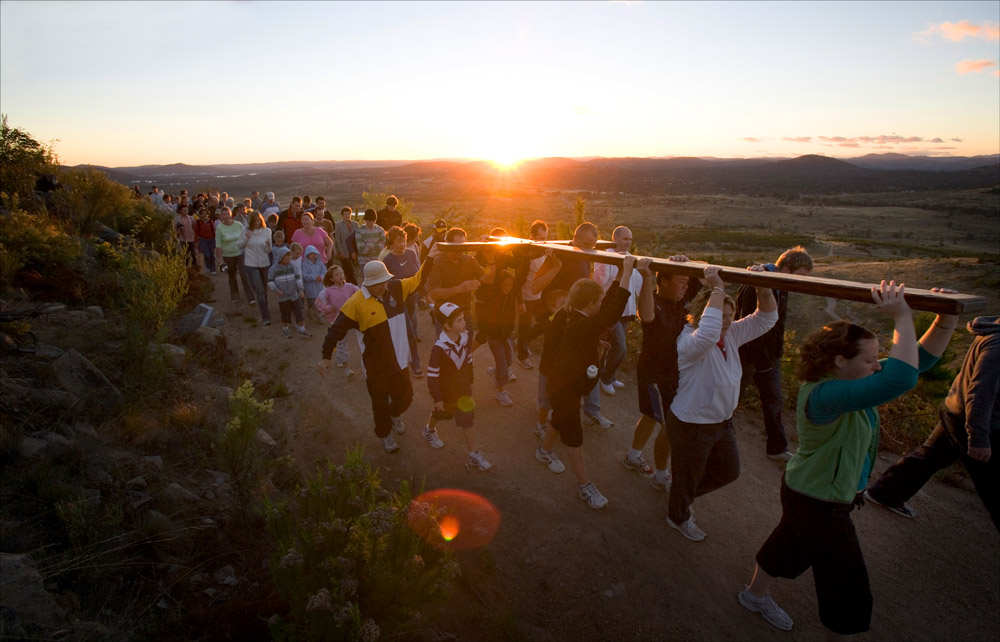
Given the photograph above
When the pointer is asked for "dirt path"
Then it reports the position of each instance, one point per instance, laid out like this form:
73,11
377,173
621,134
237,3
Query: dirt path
559,570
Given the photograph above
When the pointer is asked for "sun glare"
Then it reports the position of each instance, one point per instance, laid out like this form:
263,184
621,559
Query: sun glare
506,161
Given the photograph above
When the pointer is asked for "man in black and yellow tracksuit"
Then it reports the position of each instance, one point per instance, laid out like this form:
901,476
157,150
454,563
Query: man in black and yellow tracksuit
377,311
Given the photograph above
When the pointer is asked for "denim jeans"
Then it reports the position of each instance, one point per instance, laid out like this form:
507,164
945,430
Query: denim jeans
207,247
617,352
592,402
768,384
503,356
258,281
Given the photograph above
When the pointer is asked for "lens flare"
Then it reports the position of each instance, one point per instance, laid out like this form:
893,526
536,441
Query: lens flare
454,519
449,527
466,404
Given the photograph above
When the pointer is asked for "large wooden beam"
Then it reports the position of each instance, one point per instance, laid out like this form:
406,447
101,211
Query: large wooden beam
819,286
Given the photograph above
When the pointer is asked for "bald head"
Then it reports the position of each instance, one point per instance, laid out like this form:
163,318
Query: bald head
623,237
585,236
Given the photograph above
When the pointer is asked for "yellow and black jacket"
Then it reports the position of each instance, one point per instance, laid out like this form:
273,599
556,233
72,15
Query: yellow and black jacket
381,321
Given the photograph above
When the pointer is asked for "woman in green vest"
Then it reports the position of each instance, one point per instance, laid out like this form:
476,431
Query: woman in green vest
843,382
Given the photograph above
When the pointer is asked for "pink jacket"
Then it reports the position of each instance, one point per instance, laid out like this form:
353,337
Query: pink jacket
331,298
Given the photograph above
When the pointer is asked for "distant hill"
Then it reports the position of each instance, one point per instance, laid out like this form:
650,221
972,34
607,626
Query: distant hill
113,174
926,163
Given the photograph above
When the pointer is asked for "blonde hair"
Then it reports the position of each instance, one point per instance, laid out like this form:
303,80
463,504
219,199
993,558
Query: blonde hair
295,248
699,304
584,292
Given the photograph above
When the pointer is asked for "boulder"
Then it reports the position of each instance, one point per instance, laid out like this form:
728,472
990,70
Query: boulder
95,311
77,375
265,438
23,598
173,355
174,493
48,350
44,446
155,461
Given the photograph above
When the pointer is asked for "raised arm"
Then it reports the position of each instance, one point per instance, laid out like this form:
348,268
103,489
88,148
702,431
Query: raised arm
890,300
644,302
936,339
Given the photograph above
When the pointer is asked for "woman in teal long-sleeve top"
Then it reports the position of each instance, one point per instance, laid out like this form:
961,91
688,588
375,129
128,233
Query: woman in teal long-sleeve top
843,383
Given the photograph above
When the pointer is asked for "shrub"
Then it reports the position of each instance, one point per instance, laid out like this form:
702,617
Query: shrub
22,159
239,450
33,241
375,197
150,287
90,197
348,563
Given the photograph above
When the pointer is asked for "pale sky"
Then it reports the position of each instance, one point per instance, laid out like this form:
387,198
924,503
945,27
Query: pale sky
129,83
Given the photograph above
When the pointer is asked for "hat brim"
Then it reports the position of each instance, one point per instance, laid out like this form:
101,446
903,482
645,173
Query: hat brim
376,280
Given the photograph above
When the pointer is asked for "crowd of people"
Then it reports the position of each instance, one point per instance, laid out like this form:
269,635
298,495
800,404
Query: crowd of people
700,348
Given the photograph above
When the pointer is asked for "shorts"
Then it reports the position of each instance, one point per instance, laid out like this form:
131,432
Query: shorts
463,418
820,534
566,418
654,400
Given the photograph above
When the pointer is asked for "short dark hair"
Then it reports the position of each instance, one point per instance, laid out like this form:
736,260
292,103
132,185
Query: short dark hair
346,209
370,214
320,198
296,199
393,233
412,231
538,225
392,200
586,227
452,233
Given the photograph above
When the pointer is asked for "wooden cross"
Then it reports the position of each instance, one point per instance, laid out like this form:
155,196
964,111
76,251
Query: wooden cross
850,290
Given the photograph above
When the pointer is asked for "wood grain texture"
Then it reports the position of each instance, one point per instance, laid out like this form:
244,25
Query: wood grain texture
818,286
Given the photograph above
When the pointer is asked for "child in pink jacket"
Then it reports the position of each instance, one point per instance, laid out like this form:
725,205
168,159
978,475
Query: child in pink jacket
336,291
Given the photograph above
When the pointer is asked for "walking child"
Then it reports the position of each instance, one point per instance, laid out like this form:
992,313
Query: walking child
329,302
449,380
313,271
286,281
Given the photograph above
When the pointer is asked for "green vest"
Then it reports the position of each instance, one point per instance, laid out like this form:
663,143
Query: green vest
831,457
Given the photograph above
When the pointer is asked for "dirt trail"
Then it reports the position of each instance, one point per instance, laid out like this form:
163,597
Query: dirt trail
562,571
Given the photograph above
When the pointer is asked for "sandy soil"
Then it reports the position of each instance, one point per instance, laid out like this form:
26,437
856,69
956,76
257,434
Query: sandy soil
558,570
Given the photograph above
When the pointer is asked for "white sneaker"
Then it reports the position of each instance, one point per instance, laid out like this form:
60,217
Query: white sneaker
550,460
477,460
617,384
785,456
389,444
432,438
504,398
767,607
905,510
599,420
302,331
663,487
510,375
397,426
592,496
607,388
540,431
525,363
640,466
688,529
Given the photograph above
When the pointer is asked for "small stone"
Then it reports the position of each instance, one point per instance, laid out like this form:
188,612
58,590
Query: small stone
163,604
155,461
48,350
211,592
619,588
138,482
226,575
208,494
265,438
175,493
95,311
608,594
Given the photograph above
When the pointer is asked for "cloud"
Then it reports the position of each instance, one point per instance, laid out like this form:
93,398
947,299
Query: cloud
848,145
956,140
974,66
882,141
958,31
945,148
834,139
798,139
936,140
751,140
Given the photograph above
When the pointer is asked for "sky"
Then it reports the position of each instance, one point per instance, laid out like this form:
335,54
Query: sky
131,83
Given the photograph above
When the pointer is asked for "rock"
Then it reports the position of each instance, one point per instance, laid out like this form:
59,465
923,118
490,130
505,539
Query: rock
265,438
27,391
226,575
157,522
174,355
44,446
106,234
155,461
138,482
208,336
91,497
77,375
23,596
140,499
608,594
80,317
82,428
211,592
7,345
48,350
97,475
619,588
95,311
174,493
200,316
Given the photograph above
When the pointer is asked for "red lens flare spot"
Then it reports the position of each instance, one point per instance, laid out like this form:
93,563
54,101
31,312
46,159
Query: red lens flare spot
454,519
449,527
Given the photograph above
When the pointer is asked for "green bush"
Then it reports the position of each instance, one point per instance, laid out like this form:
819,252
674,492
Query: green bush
22,159
350,562
33,241
89,197
150,287
239,449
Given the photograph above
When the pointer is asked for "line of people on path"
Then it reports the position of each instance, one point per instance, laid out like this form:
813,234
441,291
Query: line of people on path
699,351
